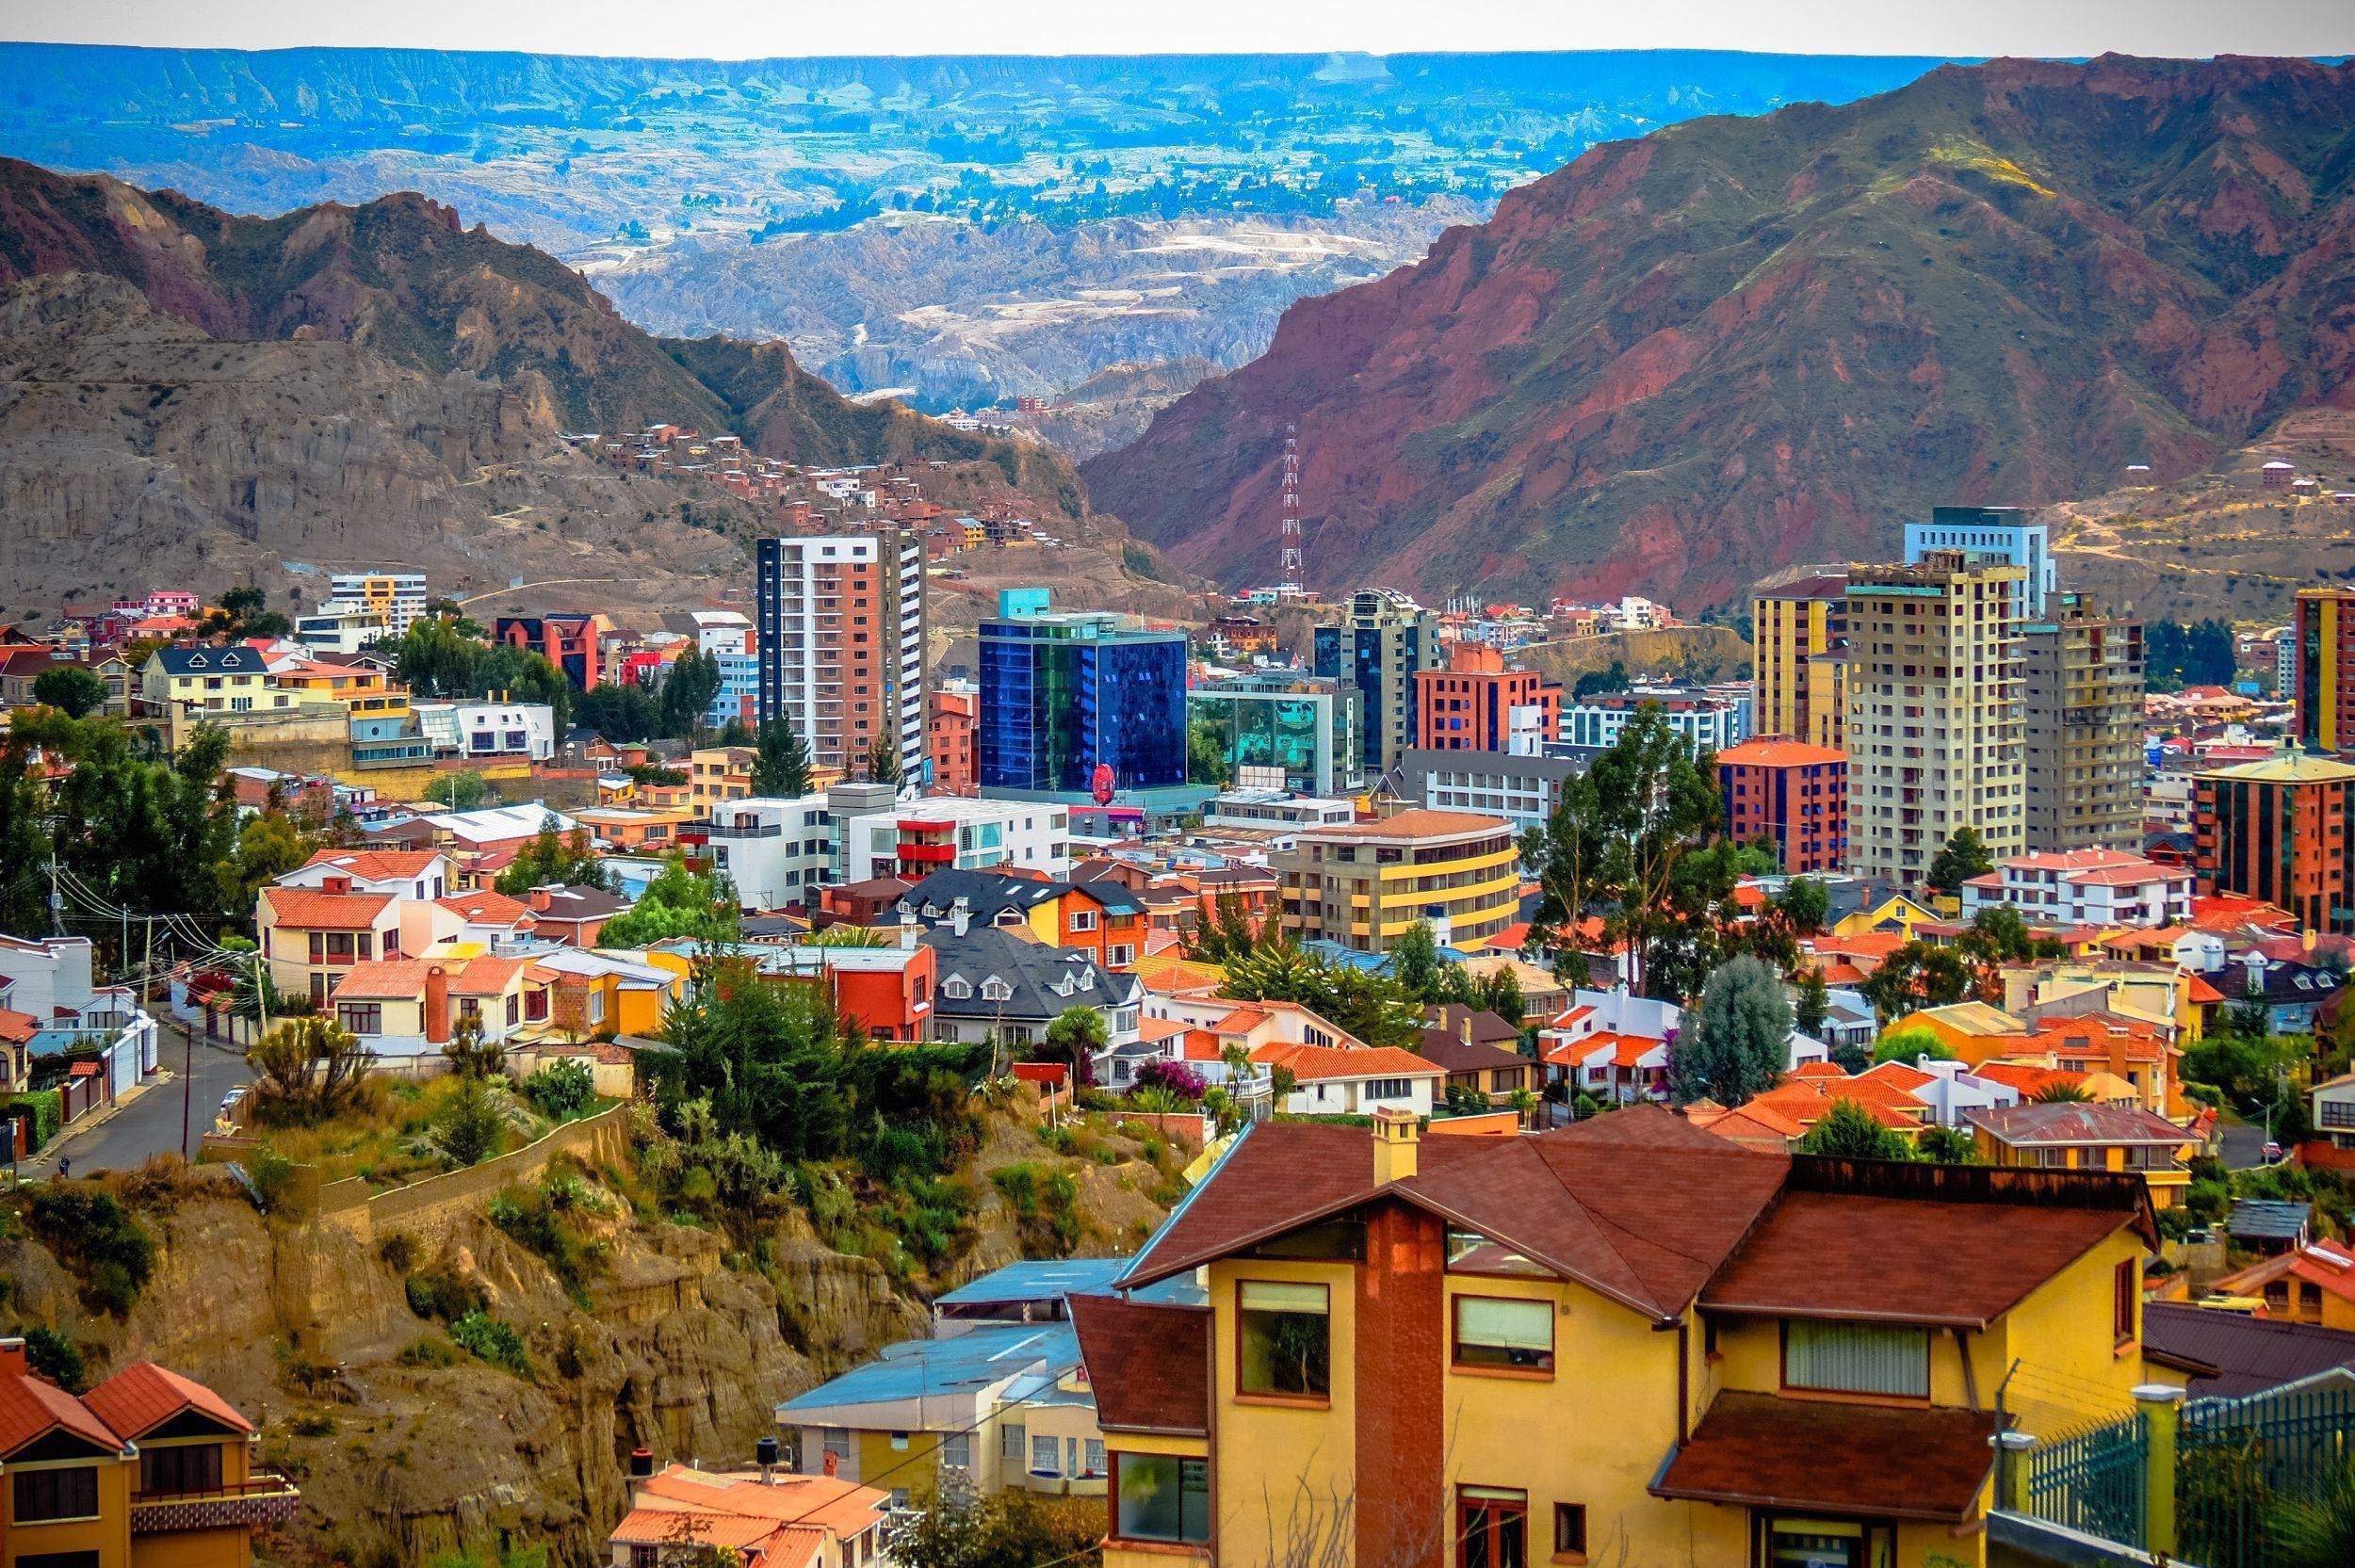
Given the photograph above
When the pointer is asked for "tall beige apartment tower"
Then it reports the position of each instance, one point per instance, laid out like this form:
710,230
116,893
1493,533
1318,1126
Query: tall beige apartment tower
1936,726
1792,625
2084,734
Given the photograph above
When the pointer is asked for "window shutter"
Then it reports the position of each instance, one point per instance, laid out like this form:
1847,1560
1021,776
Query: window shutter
1858,1358
1274,1296
1508,1325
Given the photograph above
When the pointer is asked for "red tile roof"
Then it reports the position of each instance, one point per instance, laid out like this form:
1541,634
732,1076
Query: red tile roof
1311,1064
1154,1360
18,1028
1815,1456
143,1396
1776,751
377,865
31,1407
2065,1121
311,910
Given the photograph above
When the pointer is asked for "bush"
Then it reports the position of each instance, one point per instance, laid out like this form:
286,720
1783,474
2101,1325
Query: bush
104,1248
439,1294
562,1088
398,1251
471,1125
429,1351
54,1357
491,1339
272,1173
48,1114
1175,1077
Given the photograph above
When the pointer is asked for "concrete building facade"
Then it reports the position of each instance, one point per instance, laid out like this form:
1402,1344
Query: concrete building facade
2083,730
839,621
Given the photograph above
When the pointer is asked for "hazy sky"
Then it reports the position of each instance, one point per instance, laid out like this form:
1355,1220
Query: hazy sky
743,28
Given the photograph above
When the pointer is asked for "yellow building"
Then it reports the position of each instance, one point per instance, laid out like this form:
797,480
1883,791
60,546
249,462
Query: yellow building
1789,625
1622,1342
719,773
147,1470
2064,1136
1936,712
1828,700
1365,884
1896,913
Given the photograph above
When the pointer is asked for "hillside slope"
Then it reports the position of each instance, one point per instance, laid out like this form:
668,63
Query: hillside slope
332,343
1735,344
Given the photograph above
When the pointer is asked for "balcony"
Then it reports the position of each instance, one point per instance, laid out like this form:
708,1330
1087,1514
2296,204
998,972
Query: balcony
266,1498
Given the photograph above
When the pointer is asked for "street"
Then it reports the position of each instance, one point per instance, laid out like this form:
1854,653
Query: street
149,1123
2242,1143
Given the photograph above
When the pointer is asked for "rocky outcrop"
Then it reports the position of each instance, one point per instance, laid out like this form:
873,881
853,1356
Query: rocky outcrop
1685,361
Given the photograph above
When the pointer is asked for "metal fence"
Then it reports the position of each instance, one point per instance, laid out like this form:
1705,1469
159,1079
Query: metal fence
2092,1479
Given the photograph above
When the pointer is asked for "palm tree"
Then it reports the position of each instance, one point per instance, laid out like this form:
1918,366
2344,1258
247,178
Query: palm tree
2318,1532
2062,1092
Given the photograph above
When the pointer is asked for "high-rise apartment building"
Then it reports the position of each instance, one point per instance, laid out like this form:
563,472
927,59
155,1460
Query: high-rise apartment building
1383,639
2083,733
1474,704
2283,830
1792,624
2002,532
398,596
2322,674
1935,721
1793,793
840,635
1064,694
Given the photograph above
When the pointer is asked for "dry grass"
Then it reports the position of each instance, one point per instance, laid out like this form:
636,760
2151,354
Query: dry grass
377,1138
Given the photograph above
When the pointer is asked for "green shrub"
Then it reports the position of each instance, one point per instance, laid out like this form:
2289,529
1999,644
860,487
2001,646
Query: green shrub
48,1114
562,1088
272,1173
103,1247
398,1251
54,1357
438,1293
429,1351
491,1339
312,1426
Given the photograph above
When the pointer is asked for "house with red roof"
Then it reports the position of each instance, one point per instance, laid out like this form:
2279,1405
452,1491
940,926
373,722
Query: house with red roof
148,1467
2310,1284
1329,1080
767,1518
2083,887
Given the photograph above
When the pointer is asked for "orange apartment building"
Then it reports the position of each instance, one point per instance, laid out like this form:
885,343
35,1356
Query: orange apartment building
573,643
2277,831
1469,705
147,1470
1792,792
841,630
949,739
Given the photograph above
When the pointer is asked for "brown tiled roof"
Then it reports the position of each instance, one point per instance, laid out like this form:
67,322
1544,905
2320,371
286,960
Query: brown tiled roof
1955,1245
31,1406
1155,1361
310,909
1440,1048
1835,1458
2067,1121
1487,1027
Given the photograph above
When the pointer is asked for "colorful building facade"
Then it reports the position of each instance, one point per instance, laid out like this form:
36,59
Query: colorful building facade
1793,793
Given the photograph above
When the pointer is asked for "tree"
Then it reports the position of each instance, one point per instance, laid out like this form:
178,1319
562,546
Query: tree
623,712
472,1122
308,1070
554,858
2062,1092
437,657
23,843
270,845
469,1055
781,770
1415,960
1500,992
1597,682
1001,1530
844,934
1910,1045
678,902
1737,1041
244,613
882,760
70,688
1207,759
1227,934
461,791
1073,1036
1813,1005
1942,1145
1848,1131
688,692
1918,976
736,733
1373,1007
1964,856
146,836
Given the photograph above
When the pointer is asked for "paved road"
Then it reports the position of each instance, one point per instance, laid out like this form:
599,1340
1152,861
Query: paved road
2244,1142
150,1123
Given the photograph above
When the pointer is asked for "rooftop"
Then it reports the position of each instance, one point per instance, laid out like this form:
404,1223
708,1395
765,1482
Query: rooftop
1805,1455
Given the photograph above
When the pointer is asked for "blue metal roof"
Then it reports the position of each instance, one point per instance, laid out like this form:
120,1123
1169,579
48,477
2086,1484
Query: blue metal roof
1039,1280
916,1367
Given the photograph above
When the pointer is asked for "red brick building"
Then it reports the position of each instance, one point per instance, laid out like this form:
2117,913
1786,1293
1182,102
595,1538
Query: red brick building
573,643
1792,792
949,738
1469,705
2278,830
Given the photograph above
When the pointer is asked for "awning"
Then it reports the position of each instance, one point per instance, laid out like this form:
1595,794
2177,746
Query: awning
1819,1456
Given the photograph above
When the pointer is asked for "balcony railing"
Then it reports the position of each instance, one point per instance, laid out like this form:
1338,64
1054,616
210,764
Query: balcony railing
266,1498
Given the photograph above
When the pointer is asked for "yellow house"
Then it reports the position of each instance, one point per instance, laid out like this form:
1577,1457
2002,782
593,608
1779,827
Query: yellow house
1897,913
235,679
2066,1135
719,773
1975,1032
147,1470
1622,1342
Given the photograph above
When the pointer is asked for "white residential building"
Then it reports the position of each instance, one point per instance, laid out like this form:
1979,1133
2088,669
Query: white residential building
914,838
398,596
777,851
840,644
526,730
2084,887
341,631
1954,1090
1710,718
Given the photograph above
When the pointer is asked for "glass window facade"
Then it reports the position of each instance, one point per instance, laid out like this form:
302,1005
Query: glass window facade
1061,697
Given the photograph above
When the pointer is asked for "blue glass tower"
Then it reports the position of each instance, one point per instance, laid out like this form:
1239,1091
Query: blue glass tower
1062,694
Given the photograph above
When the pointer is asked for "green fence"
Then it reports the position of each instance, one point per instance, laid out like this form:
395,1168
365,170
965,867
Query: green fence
2242,1475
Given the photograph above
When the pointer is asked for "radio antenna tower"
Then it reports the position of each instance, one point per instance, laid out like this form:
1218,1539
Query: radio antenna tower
1290,535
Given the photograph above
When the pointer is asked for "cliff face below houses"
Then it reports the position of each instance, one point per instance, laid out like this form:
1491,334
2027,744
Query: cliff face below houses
1685,361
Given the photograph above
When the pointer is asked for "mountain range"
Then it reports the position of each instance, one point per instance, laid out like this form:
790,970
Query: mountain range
217,396
1687,359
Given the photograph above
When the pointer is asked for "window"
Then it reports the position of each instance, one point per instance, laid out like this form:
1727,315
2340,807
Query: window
1387,1088
836,1440
957,987
1093,1464
1856,1358
996,990
56,1560
515,1008
536,1006
1162,1498
361,1017
1492,1527
1010,1445
1285,1342
68,1492
1569,1530
1083,920
956,1451
1493,1332
2126,1292
193,1467
1043,1456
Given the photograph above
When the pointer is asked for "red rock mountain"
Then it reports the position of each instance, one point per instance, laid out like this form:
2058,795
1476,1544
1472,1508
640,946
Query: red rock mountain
1685,361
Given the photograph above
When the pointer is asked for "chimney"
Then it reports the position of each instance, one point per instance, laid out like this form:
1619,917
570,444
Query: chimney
437,1006
335,885
641,1464
764,1455
12,1357
1396,1135
539,898
960,916
1463,1026
908,929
